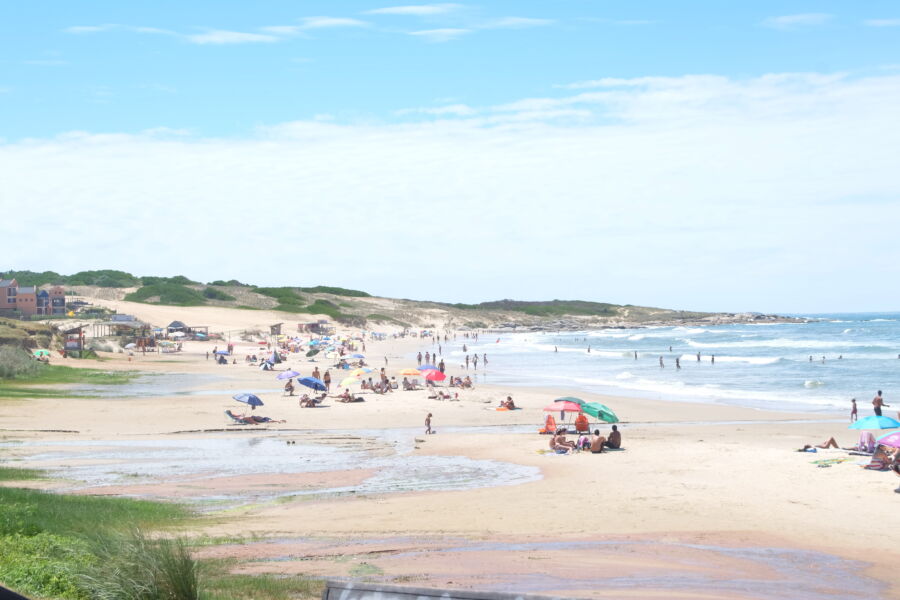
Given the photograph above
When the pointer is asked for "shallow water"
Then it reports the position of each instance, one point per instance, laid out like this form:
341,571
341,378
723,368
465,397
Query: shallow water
98,463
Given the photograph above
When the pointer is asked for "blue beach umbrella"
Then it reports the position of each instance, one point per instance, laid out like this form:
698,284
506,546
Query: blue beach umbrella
287,375
428,368
359,355
251,399
221,351
875,422
312,382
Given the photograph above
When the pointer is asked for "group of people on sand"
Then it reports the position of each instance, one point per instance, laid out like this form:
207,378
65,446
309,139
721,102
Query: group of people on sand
884,458
595,443
460,382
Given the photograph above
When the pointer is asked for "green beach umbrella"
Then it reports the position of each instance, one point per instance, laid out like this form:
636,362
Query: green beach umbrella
41,353
599,411
570,399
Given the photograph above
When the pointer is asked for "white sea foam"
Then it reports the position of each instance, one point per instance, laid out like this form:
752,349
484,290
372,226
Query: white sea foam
813,383
779,343
751,360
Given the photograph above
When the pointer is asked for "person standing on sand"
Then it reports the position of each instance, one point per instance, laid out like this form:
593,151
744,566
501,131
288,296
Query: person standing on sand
316,373
467,362
326,379
427,358
484,361
877,403
712,359
419,358
441,366
428,424
475,361
853,414
464,346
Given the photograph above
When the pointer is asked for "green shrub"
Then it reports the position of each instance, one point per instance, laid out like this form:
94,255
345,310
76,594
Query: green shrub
214,294
337,291
168,293
104,278
15,362
44,565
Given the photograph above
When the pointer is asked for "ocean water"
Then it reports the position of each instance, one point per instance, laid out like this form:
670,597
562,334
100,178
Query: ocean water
758,365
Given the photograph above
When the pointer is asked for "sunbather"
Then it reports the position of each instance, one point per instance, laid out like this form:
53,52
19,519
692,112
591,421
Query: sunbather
251,419
829,443
559,444
895,467
508,404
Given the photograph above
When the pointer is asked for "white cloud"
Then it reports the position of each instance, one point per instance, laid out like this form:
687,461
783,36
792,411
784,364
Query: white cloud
795,21
79,29
882,22
325,22
516,23
700,191
441,35
219,37
449,109
419,10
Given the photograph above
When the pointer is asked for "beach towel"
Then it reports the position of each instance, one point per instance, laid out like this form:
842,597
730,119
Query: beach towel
827,462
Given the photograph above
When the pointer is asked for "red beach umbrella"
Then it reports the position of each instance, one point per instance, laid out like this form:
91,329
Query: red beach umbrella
434,376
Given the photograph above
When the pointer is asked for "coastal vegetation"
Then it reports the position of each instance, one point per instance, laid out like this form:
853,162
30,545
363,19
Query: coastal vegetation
174,294
25,334
20,374
86,547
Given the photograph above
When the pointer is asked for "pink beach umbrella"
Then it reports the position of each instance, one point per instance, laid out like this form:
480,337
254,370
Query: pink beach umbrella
890,439
563,406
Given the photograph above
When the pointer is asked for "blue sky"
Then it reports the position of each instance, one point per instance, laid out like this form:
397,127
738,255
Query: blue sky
706,155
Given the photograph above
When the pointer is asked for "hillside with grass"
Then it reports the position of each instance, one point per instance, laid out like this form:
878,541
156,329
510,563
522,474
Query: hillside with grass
359,308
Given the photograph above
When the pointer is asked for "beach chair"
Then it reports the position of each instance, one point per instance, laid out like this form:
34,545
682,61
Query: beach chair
549,425
581,424
236,420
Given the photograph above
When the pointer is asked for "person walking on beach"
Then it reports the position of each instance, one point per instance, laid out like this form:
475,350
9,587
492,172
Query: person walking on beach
427,358
419,358
853,414
661,364
441,366
475,361
467,362
428,424
464,347
877,403
316,374
326,379
484,360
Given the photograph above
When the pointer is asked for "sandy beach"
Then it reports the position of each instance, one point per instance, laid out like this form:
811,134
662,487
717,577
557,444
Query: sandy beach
705,501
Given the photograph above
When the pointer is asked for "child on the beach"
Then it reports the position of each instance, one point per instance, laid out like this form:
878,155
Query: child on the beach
853,414
428,424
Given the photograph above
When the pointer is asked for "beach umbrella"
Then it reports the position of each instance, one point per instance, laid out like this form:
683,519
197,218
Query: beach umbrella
891,439
428,368
130,346
409,373
287,375
434,376
347,382
312,382
578,401
599,411
362,371
359,355
312,352
251,399
42,352
875,422
221,351
563,406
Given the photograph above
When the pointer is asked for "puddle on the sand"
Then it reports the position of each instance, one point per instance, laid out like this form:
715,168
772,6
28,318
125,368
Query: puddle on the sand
99,463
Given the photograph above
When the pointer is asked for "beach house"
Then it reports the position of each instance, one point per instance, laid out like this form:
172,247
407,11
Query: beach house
28,300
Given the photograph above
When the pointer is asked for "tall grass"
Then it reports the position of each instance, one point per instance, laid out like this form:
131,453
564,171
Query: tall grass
138,567
15,362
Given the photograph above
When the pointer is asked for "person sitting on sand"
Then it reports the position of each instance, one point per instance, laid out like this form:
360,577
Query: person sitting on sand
467,383
559,442
829,443
614,441
881,460
597,442
508,404
289,387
